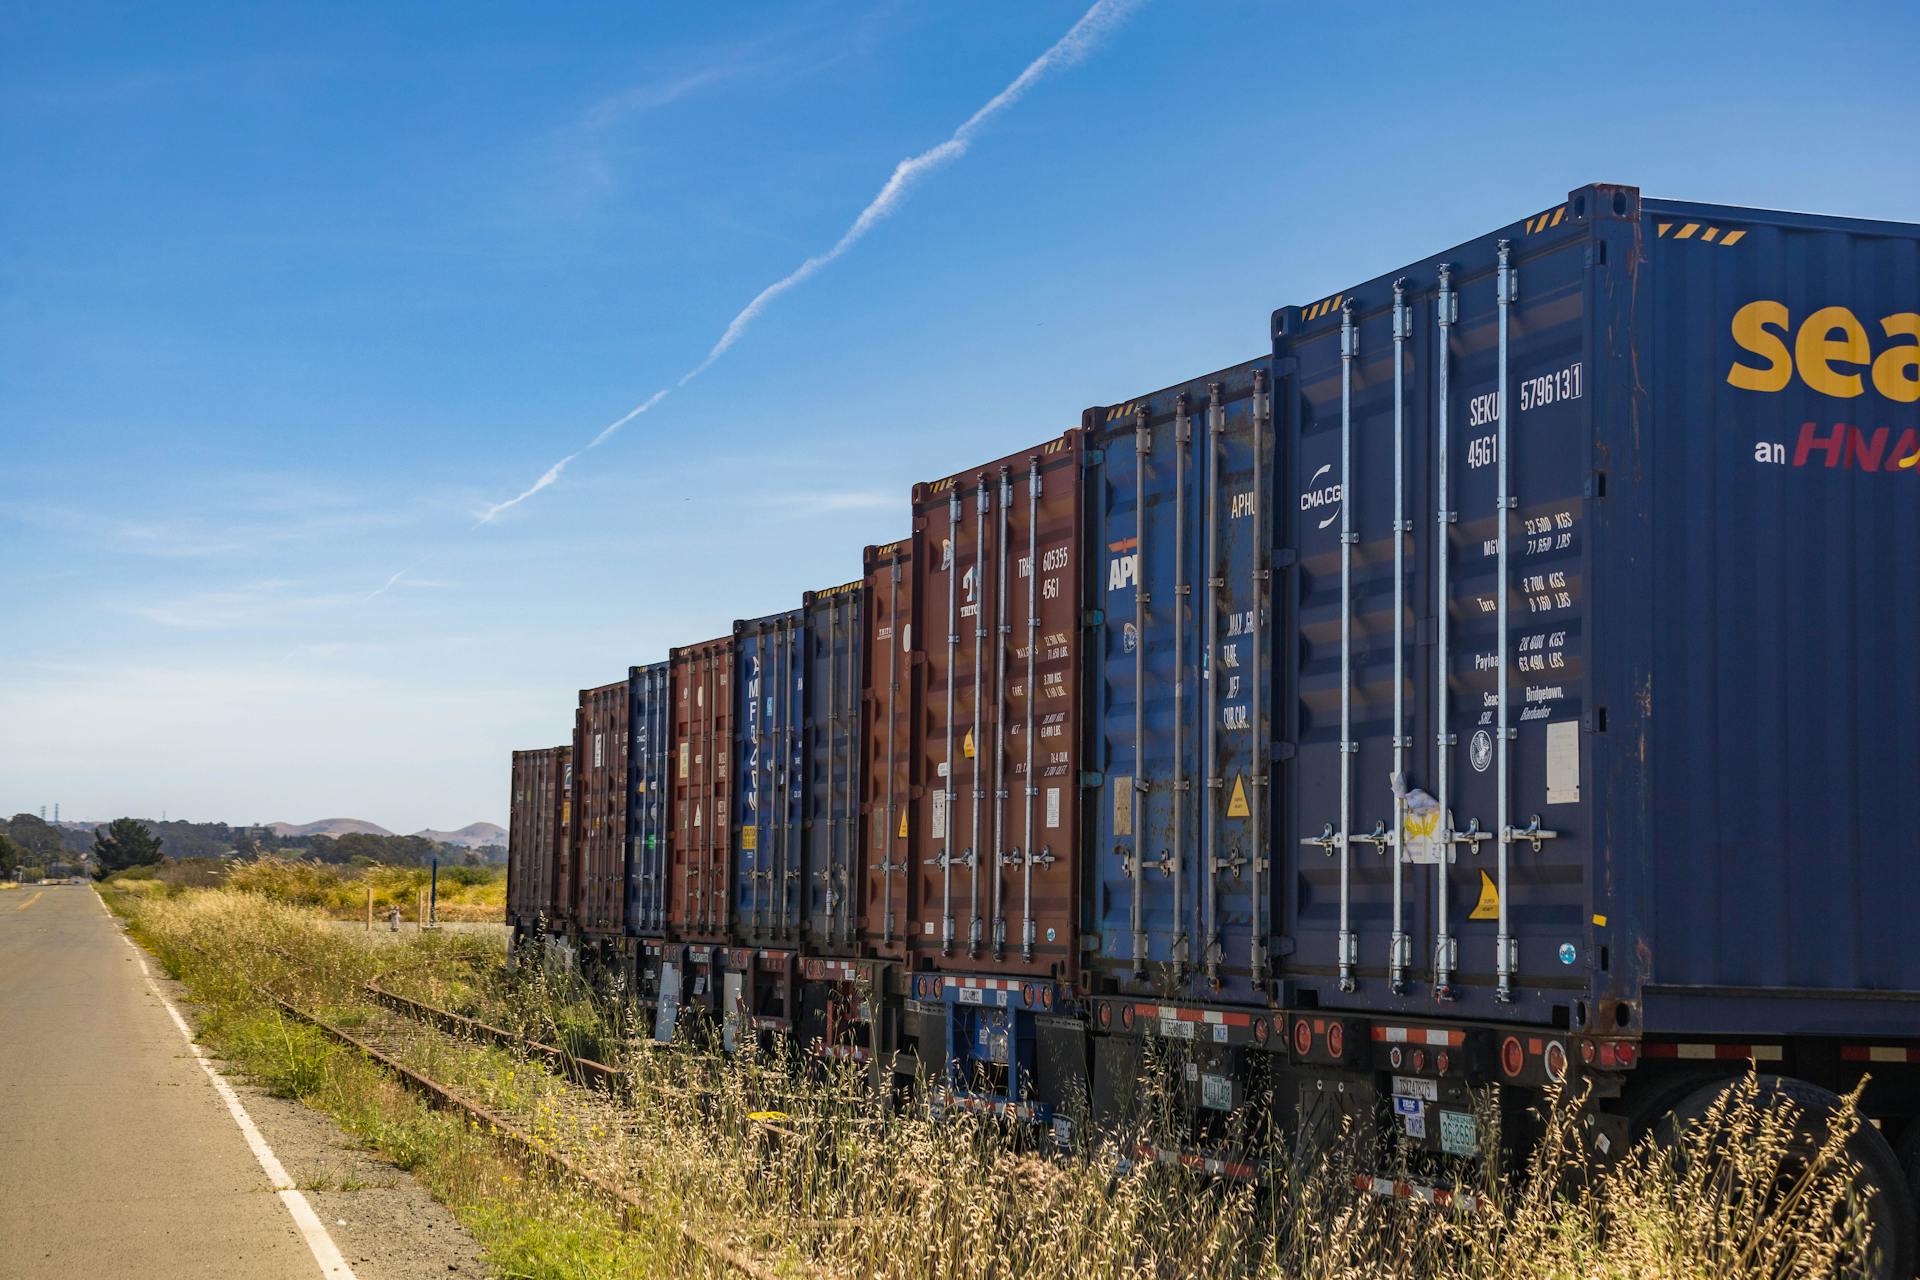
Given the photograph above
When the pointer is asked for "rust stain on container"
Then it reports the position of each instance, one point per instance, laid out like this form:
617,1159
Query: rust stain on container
598,873
996,578
537,833
699,874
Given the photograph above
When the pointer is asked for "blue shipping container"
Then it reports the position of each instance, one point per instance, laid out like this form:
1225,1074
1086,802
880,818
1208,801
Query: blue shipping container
649,797
1599,683
769,802
1180,892
834,875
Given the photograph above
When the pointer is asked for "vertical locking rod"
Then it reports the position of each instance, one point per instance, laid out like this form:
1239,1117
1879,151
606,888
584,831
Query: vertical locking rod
1349,345
1447,311
1503,518
1142,446
1401,949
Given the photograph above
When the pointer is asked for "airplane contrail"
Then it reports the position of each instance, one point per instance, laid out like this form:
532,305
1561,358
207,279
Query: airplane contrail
1070,48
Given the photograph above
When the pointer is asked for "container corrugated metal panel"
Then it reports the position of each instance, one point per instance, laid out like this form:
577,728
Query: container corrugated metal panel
649,797
536,833
997,841
887,758
1707,714
769,692
599,872
1180,893
834,877
699,870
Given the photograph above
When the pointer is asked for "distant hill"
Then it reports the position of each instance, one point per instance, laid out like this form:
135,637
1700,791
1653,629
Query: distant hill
334,827
472,836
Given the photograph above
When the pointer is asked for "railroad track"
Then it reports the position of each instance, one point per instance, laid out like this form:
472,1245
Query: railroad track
531,1150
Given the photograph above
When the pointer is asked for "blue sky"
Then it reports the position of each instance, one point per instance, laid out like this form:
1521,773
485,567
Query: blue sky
290,294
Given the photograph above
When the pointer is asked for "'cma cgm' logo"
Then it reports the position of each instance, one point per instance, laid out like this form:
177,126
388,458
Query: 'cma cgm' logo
1836,354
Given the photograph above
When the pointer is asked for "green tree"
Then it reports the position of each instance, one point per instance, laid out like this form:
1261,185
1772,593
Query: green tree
126,842
11,855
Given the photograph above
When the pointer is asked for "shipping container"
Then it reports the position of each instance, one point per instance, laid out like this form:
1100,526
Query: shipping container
887,775
537,835
1598,675
769,804
994,910
698,873
599,869
833,872
997,839
1180,893
649,798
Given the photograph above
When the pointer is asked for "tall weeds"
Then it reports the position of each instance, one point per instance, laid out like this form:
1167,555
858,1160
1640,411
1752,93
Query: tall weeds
804,1164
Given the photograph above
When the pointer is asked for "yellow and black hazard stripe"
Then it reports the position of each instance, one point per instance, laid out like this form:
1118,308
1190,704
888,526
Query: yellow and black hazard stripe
1702,232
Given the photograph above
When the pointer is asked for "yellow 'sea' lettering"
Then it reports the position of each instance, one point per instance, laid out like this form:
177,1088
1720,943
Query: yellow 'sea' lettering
1817,349
1896,374
1832,348
1752,329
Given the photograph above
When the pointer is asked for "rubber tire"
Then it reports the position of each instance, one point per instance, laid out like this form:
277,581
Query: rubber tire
1892,1221
1907,1152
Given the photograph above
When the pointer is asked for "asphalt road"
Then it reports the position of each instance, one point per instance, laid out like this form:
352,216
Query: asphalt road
119,1156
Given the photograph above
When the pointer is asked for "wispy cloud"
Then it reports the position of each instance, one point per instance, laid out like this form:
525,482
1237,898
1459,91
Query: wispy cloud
1069,49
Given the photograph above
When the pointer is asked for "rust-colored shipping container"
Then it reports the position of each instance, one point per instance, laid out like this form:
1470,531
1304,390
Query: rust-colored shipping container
699,875
887,773
600,810
995,840
537,834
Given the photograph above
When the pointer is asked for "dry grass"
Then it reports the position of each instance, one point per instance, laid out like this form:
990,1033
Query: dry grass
846,1186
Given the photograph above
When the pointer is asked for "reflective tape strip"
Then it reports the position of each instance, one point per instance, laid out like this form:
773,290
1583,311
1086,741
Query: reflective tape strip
1877,1053
1438,1037
1697,1051
1181,1013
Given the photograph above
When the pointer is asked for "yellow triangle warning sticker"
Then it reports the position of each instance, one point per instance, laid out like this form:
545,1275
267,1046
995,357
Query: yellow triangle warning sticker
1488,908
966,745
903,824
1237,802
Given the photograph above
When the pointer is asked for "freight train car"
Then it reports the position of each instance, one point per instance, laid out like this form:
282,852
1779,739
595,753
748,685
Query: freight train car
649,803
1596,698
537,838
1180,893
596,902
993,927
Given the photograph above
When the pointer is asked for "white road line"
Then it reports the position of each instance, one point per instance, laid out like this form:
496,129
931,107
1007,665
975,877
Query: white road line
325,1252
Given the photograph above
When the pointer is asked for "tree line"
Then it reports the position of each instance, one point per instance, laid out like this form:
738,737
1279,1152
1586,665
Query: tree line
27,842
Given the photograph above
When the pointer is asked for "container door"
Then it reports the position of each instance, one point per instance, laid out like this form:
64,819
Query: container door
703,749
1232,867
832,881
1515,613
1357,492
1145,558
649,704
887,745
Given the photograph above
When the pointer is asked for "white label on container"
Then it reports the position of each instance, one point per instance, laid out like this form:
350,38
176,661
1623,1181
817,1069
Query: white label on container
927,928
686,750
1563,762
940,814
1413,1115
1053,806
599,753
1416,1087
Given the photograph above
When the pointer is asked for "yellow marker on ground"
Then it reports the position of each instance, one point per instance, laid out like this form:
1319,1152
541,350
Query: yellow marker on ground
29,902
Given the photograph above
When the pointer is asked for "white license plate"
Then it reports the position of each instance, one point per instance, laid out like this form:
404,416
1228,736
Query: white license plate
1174,1029
1216,1093
1416,1087
1459,1134
972,995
